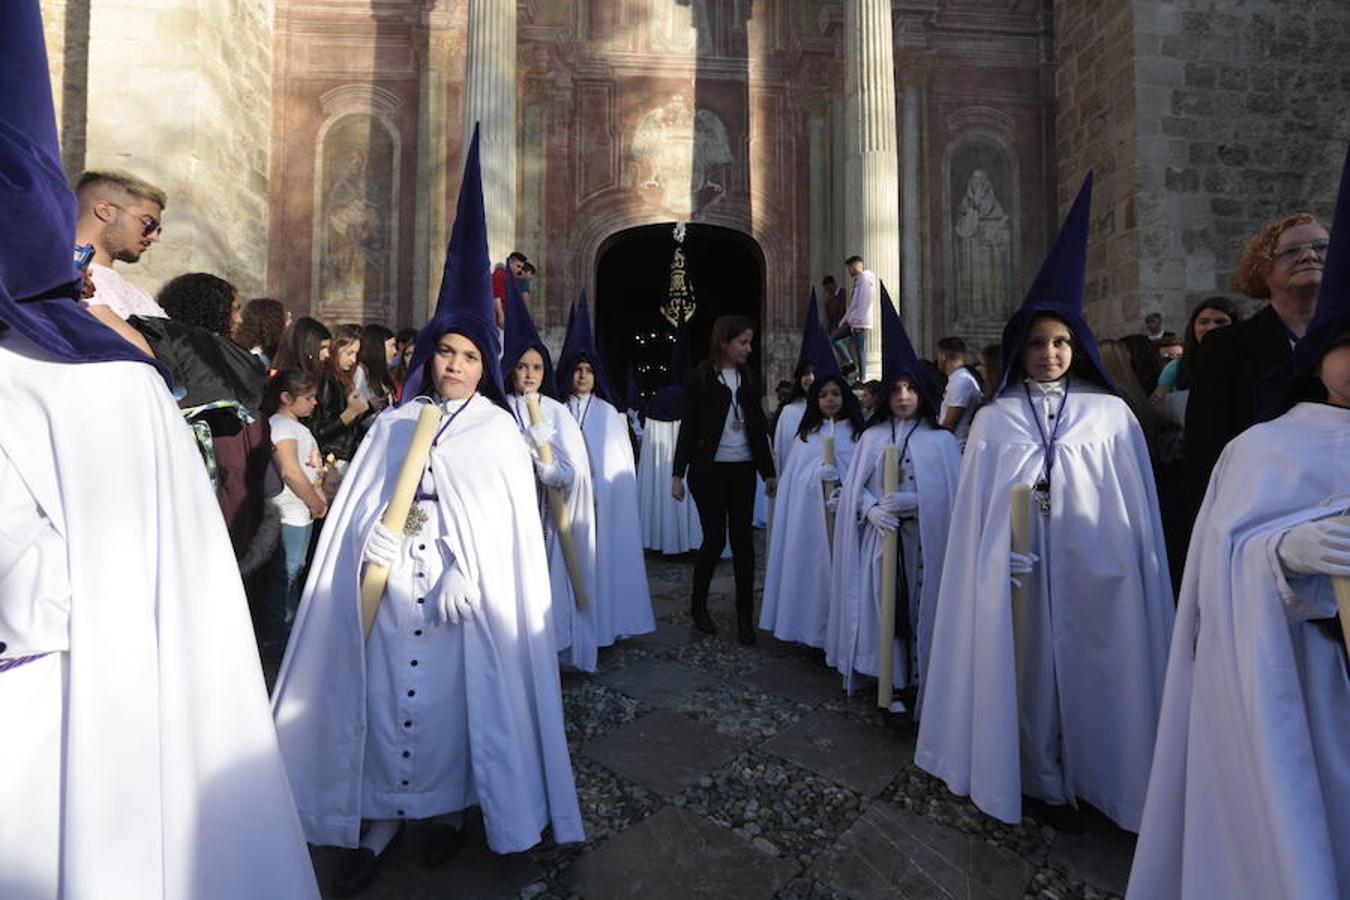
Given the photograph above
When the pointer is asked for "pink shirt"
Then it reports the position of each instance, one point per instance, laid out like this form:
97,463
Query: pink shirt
859,313
121,296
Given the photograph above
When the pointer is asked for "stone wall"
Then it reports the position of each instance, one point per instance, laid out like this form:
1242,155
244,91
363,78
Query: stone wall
179,94
1202,124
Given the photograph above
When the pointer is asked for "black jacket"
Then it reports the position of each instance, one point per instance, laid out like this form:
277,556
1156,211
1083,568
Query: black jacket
332,435
1222,403
706,401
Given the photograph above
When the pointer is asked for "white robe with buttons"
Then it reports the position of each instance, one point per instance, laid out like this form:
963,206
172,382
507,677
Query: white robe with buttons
796,603
137,754
1097,623
1250,792
623,602
929,468
483,722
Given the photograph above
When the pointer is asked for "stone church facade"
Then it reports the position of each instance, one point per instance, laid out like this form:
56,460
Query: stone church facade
312,148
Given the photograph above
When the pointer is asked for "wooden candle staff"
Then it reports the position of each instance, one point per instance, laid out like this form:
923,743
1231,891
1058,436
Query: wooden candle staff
561,523
890,548
1020,513
1341,585
375,576
829,487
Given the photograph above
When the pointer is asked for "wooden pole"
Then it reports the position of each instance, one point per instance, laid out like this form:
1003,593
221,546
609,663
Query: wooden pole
829,487
890,548
561,523
375,576
1341,585
1020,512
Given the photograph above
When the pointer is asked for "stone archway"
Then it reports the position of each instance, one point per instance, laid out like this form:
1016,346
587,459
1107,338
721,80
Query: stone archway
632,270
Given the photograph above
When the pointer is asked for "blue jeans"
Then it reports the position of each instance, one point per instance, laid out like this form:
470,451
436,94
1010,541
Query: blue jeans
286,579
851,346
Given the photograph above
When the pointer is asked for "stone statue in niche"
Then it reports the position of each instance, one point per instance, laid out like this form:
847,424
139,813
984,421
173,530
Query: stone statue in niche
680,157
357,197
983,251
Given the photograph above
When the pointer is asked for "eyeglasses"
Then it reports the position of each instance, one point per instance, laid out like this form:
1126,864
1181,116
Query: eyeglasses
1294,251
149,224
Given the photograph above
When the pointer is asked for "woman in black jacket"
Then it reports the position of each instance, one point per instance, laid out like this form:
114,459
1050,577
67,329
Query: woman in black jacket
723,441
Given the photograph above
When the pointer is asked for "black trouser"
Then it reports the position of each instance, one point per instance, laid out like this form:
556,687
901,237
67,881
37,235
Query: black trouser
725,494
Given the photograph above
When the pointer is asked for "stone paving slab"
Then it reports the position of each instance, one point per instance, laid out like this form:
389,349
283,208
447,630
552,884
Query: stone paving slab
891,853
657,682
678,855
476,872
795,679
664,752
667,636
861,757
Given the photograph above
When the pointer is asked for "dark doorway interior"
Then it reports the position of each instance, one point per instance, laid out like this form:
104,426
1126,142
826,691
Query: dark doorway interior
725,267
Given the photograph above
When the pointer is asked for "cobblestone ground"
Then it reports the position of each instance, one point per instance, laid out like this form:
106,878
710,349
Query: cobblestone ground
710,770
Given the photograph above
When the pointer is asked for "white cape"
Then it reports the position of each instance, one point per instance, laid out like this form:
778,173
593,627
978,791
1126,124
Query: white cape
784,433
522,774
668,526
623,602
576,632
148,764
1098,625
1250,792
796,604
853,636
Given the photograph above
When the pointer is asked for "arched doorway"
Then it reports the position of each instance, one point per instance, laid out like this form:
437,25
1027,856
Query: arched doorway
724,266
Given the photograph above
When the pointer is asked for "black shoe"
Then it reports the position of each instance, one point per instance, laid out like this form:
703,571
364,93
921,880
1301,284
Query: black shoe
359,868
440,843
702,621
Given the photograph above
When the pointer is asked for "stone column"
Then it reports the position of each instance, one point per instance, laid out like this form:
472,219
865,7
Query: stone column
872,226
490,100
911,250
819,194
429,236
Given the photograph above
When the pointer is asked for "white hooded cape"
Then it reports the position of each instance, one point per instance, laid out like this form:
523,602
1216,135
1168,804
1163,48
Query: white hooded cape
623,602
796,604
853,634
577,632
1250,792
784,432
146,763
522,774
1098,627
668,526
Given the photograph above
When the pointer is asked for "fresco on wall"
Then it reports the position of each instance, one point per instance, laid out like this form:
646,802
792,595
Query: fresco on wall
357,219
679,157
981,179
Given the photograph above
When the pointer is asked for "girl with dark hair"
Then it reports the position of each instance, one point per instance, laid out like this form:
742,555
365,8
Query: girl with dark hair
305,345
796,603
1208,315
202,300
377,354
723,441
928,459
340,408
1048,655
260,329
789,414
293,487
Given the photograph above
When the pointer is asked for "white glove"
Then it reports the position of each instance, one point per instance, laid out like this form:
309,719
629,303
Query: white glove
882,520
382,546
458,599
901,504
551,475
1021,564
1316,548
828,472
541,433
832,501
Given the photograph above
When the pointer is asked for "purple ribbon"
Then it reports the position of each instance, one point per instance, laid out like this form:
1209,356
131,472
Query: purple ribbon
15,662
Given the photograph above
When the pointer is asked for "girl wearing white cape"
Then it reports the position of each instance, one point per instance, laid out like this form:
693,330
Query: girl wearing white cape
785,426
929,460
796,602
623,603
1060,702
576,631
455,699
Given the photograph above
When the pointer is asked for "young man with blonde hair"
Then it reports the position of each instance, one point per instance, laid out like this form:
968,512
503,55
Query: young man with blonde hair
120,216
